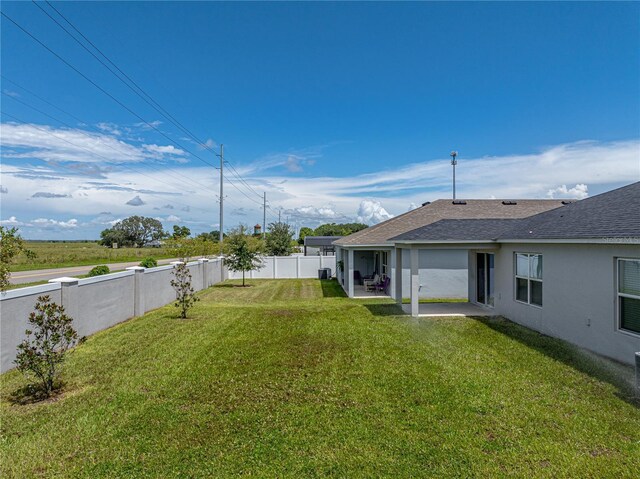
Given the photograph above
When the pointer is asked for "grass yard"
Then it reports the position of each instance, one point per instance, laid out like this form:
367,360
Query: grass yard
61,255
288,378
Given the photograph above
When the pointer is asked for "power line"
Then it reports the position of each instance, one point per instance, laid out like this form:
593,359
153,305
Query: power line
104,143
102,89
92,152
150,99
41,99
237,175
138,90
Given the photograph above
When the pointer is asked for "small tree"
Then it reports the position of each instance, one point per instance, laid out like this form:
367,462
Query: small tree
279,239
41,355
242,252
180,232
11,245
185,295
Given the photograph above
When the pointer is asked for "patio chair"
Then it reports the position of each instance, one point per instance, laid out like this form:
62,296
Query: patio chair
384,286
370,284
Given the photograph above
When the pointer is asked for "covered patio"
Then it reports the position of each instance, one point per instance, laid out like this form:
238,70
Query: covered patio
480,277
361,292
357,266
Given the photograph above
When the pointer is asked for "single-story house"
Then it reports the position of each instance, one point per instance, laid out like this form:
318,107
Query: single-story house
571,272
371,251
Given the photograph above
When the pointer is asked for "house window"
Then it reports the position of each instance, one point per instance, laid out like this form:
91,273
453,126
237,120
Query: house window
629,294
385,259
529,278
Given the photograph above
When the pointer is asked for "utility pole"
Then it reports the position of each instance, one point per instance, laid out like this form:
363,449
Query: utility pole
221,236
264,215
454,162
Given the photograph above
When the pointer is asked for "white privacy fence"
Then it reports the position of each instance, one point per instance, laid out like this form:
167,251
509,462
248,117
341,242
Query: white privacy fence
286,267
100,302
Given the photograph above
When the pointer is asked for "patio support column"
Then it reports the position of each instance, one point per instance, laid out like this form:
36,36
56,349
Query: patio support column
397,279
350,285
415,282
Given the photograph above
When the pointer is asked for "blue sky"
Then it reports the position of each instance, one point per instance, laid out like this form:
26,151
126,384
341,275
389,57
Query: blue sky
339,112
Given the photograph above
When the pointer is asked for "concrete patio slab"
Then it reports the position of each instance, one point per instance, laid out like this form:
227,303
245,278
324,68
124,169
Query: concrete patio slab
449,309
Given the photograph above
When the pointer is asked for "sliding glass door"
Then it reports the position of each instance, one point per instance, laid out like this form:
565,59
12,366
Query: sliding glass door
484,278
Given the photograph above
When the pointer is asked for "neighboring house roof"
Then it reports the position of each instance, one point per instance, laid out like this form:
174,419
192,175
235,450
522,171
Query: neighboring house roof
614,214
460,230
446,209
320,240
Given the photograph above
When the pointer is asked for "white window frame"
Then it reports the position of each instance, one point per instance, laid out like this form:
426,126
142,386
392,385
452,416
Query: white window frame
623,295
528,278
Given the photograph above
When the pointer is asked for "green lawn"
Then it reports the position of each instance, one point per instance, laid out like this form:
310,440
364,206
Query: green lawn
50,254
290,379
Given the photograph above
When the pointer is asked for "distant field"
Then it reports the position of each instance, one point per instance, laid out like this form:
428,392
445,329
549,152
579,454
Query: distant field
60,255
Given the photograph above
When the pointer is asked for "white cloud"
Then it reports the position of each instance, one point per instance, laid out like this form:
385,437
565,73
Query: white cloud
12,221
50,223
148,125
67,145
163,150
111,128
3,190
580,191
312,200
372,212
323,213
412,206
136,201
173,218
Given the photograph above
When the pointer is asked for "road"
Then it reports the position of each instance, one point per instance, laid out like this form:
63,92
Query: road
21,277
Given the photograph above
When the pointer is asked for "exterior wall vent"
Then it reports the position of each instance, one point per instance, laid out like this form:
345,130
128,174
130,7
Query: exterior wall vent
509,202
458,202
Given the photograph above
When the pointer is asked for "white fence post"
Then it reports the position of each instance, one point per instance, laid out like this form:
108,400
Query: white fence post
138,296
68,294
204,264
275,267
298,267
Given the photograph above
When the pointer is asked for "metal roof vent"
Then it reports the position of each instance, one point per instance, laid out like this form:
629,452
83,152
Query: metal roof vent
568,202
458,202
509,202
426,203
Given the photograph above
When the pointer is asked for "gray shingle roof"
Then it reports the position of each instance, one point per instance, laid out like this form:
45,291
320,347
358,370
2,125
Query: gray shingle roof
445,209
460,230
615,214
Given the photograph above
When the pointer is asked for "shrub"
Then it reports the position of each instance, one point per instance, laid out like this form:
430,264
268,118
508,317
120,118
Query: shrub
99,270
11,244
185,295
149,263
50,336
